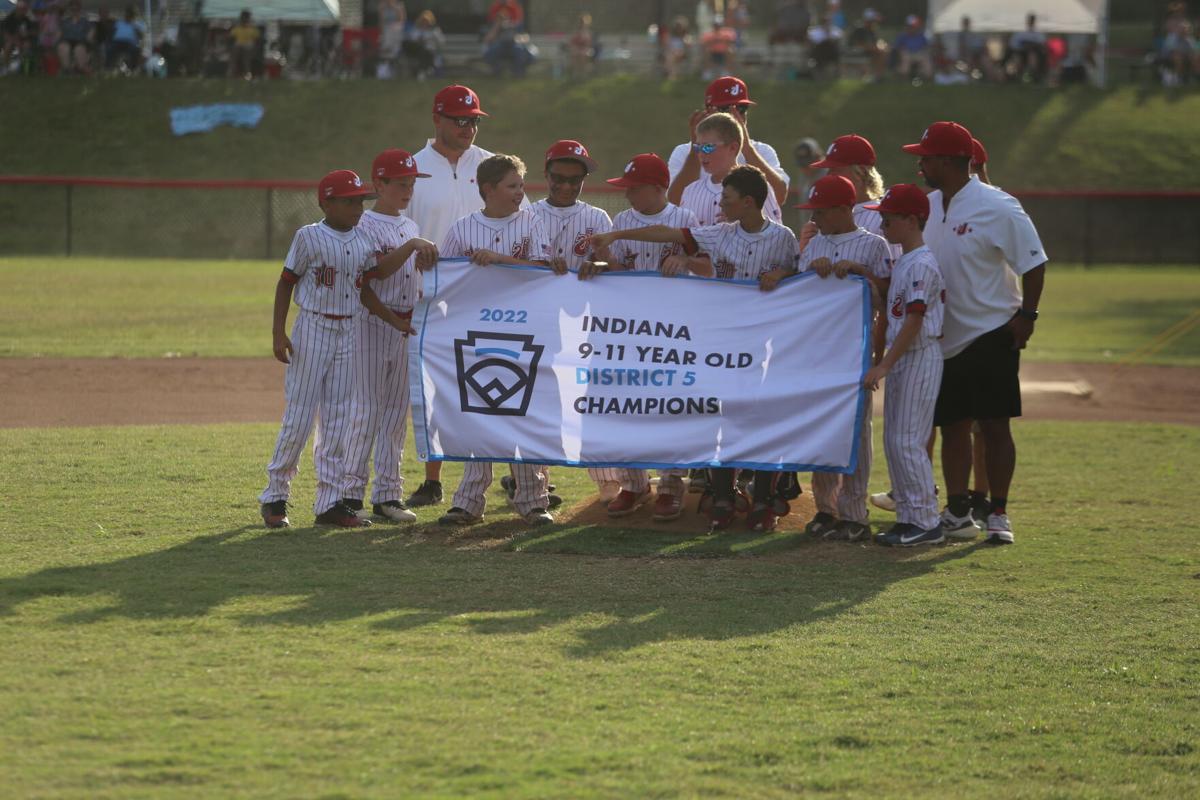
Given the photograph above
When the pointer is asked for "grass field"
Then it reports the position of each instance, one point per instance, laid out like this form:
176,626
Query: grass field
1082,138
150,308
158,642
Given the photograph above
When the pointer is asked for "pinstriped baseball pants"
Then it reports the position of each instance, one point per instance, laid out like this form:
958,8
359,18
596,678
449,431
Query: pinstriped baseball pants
909,397
317,384
845,496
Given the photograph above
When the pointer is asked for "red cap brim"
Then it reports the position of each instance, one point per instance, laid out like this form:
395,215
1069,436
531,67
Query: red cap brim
826,163
363,192
873,207
587,162
916,150
625,183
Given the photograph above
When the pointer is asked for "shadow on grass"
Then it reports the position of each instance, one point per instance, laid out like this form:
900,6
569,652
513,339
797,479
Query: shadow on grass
400,583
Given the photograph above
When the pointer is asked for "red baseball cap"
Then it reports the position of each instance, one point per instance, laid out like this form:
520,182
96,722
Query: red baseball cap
727,91
457,101
646,168
395,163
978,153
943,139
342,183
569,148
847,151
903,198
830,192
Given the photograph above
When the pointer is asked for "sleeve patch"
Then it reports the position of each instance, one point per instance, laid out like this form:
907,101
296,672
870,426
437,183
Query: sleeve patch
289,277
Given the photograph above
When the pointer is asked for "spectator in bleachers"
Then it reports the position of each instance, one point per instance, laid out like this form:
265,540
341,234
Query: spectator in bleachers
126,48
806,152
705,11
720,49
791,23
836,15
825,52
393,15
20,36
913,49
966,52
581,48
423,46
679,48
243,42
1179,55
504,43
1027,55
737,16
866,42
106,26
512,9
75,47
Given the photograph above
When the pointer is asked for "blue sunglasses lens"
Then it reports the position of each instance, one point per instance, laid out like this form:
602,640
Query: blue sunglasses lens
707,149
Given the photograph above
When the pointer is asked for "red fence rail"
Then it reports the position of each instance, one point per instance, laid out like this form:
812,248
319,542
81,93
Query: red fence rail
121,216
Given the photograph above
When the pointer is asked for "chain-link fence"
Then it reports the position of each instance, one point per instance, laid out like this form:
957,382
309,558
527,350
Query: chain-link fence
256,219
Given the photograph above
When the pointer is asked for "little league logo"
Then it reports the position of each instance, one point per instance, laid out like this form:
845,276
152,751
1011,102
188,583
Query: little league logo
496,372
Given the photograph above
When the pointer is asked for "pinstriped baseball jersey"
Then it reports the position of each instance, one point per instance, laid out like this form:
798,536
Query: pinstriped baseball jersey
703,198
326,265
859,246
916,283
567,227
738,254
519,234
648,256
402,288
872,220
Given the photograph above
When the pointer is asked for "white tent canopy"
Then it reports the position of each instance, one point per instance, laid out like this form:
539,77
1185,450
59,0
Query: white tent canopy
1007,16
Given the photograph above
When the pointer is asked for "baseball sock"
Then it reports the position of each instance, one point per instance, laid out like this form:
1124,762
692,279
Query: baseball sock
998,505
977,498
959,504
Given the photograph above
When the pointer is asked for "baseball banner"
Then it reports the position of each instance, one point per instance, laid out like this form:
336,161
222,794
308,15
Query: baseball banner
634,369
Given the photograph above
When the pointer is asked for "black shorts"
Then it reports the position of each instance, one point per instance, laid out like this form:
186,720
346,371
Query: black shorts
981,382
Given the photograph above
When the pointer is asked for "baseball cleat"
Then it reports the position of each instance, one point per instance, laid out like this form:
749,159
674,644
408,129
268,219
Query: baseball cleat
999,531
697,481
762,519
395,510
537,517
342,516
275,514
509,485
961,528
884,500
914,536
667,507
627,502
821,524
848,531
355,505
428,493
721,515
459,516
553,501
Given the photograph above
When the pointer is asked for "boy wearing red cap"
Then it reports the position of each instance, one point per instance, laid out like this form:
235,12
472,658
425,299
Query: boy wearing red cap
747,247
501,233
645,181
840,248
380,399
913,367
323,266
729,95
994,266
569,222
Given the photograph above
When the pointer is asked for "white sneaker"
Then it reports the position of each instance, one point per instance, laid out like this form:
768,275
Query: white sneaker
961,528
395,510
999,530
884,500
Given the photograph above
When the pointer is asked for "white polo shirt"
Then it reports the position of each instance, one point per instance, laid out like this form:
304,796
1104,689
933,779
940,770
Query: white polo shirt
449,193
983,242
680,154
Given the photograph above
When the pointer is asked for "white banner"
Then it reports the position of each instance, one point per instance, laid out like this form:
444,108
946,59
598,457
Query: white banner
634,369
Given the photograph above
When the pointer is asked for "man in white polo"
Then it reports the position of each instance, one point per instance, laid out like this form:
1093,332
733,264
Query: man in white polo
994,267
450,158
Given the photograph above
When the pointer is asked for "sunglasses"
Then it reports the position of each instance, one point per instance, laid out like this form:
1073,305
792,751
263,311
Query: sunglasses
464,122
707,149
573,181
743,110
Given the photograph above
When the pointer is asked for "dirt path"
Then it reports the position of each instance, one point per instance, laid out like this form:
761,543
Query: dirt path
48,392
